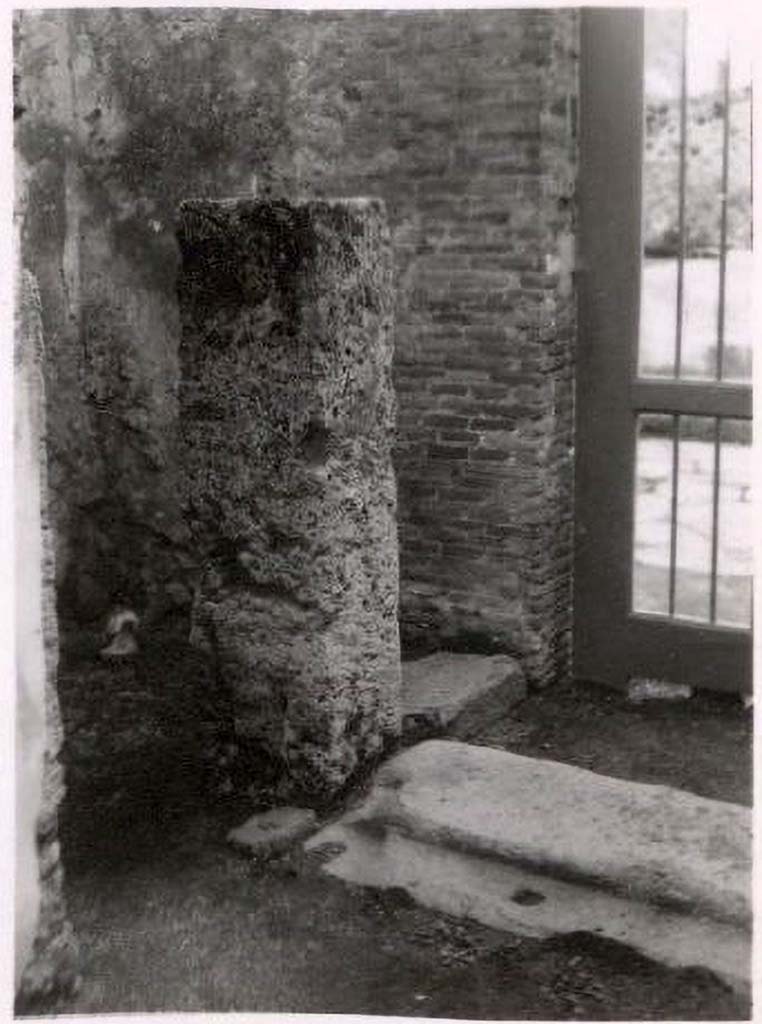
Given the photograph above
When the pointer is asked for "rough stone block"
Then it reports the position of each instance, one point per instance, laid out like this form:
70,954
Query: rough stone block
264,835
287,413
652,843
439,689
538,847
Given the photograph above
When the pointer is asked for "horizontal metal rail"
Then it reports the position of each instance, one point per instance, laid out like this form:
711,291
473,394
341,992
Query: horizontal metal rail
692,398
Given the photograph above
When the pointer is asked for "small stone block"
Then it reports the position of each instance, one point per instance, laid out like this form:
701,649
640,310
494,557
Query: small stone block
271,832
439,688
640,690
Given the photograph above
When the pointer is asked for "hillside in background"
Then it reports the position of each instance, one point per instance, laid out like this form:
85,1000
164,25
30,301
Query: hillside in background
703,174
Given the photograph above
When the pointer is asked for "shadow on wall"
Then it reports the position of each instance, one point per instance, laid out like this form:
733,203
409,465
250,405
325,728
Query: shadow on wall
106,150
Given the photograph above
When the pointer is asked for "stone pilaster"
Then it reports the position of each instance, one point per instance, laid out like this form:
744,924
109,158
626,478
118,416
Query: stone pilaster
287,417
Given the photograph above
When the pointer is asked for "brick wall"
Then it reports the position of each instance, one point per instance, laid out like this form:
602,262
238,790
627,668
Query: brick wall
464,124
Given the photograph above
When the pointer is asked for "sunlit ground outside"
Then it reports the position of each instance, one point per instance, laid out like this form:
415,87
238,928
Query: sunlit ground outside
653,486
693,551
701,291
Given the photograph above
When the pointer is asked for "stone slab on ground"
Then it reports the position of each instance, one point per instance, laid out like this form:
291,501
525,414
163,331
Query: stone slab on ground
540,847
519,900
442,687
271,832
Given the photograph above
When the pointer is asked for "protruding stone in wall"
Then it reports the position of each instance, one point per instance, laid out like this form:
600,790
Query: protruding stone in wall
287,416
45,953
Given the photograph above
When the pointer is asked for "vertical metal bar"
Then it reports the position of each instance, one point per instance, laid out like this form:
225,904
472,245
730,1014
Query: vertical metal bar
673,510
751,159
715,522
681,194
723,217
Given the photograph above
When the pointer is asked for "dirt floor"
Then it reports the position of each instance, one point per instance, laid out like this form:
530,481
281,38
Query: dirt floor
169,918
703,744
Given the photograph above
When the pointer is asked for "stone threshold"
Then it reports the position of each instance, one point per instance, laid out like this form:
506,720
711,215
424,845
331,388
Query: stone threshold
448,687
539,848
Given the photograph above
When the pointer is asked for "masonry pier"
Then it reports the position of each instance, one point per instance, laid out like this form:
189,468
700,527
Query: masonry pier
287,413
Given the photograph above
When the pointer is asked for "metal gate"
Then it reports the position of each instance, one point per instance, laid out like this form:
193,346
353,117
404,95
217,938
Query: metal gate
663,562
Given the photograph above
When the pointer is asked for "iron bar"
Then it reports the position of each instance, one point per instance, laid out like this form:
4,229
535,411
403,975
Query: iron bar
692,398
723,218
681,195
751,162
715,522
673,512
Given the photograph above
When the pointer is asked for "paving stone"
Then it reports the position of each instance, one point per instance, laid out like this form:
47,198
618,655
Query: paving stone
439,689
271,832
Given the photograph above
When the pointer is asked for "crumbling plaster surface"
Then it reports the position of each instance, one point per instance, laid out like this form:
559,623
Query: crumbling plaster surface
44,946
110,146
287,417
30,655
